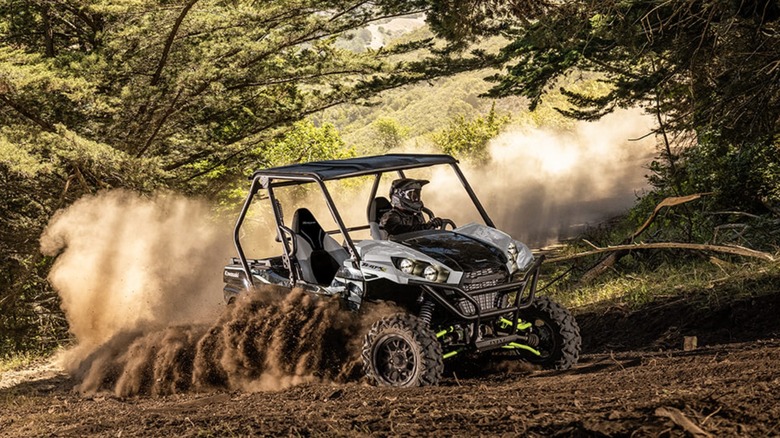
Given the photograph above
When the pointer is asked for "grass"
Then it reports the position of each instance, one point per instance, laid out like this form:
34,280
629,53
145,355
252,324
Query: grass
636,284
28,364
19,360
643,277
13,362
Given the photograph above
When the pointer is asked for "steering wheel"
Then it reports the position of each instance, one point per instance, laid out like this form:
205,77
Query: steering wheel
445,222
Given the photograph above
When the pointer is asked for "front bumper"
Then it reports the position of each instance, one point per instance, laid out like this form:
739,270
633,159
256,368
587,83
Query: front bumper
446,294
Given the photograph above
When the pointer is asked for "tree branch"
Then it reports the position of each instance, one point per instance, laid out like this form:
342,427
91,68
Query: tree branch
292,79
169,42
160,124
736,250
48,32
29,115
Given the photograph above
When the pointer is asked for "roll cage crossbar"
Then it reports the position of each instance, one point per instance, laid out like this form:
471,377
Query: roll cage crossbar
319,172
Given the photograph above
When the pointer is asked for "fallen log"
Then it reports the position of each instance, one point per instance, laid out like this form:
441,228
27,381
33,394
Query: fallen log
736,250
615,256
668,202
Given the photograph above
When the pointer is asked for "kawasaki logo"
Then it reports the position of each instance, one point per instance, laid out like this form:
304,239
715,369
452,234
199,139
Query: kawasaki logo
232,274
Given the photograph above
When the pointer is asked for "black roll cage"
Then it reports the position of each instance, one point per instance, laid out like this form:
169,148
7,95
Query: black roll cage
319,172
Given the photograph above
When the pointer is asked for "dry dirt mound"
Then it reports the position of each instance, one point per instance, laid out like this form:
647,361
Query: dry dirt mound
269,339
663,324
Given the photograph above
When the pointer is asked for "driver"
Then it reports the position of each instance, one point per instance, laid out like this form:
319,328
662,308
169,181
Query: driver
406,214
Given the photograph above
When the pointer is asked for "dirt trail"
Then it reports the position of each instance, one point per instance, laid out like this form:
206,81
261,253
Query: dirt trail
725,390
641,384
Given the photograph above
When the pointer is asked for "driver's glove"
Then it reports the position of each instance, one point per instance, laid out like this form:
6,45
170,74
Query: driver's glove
435,223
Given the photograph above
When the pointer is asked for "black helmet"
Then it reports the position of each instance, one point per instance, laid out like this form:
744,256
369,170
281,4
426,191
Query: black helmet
405,193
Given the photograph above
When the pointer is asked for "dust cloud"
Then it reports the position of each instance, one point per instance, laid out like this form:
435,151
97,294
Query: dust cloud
140,283
127,262
543,185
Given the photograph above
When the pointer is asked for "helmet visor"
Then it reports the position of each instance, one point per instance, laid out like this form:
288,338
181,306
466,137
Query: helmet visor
411,194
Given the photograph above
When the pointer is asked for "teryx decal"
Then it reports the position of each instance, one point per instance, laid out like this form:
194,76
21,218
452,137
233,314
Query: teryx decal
374,267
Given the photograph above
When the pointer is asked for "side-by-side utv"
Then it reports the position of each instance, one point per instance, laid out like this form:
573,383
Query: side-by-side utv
464,290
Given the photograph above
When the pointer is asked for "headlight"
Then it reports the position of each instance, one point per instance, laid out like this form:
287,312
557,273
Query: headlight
511,255
422,269
406,266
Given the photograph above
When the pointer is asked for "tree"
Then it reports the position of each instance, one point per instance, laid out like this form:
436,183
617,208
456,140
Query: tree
725,52
182,94
708,70
469,139
388,133
306,142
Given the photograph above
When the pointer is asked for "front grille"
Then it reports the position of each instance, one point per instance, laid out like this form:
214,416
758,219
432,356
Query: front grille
474,281
480,273
468,287
487,301
483,278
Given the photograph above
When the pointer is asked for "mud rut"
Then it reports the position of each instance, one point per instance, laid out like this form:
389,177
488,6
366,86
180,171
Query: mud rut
634,380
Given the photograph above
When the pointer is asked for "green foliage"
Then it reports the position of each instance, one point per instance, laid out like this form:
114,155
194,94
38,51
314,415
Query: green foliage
196,85
388,134
302,143
641,277
708,281
306,142
16,361
30,317
187,95
744,178
707,70
740,179
468,139
703,64
19,159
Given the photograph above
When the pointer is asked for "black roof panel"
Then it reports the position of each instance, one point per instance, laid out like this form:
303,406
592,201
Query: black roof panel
349,167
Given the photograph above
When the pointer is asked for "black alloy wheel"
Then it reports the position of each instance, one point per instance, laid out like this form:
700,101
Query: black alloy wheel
401,351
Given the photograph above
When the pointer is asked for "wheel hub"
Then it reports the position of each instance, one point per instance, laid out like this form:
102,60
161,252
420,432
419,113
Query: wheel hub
399,360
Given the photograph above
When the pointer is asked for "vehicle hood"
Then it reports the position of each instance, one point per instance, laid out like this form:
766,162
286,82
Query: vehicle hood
457,251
